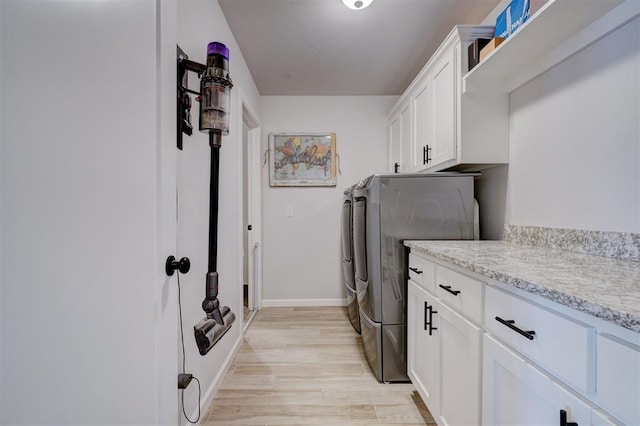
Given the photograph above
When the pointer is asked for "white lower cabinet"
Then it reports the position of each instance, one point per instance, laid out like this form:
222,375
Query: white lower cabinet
598,418
444,359
460,368
619,377
517,393
480,353
564,347
422,346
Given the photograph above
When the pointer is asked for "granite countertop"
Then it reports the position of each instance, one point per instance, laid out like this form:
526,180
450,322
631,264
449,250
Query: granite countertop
604,287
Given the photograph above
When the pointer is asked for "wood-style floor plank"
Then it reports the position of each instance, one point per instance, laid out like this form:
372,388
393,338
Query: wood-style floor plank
305,366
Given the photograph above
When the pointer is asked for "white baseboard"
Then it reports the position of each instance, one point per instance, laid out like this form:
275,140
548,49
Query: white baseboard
210,393
289,303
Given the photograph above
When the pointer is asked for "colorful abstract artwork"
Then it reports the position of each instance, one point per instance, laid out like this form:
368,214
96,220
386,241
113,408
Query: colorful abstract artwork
302,159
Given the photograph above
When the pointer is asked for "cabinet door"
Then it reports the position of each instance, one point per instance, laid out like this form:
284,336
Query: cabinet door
406,137
618,378
395,145
562,346
460,368
442,109
423,145
422,346
517,393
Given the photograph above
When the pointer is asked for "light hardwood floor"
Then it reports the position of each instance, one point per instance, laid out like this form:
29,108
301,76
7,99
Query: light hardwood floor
305,366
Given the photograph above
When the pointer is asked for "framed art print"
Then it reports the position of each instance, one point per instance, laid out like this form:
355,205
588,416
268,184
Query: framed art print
302,159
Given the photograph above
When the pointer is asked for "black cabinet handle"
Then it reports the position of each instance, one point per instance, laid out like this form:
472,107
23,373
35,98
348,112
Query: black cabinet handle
448,288
416,270
426,310
509,323
431,327
428,313
425,154
563,419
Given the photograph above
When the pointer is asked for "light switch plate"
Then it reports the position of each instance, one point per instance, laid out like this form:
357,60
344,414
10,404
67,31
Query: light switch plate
289,211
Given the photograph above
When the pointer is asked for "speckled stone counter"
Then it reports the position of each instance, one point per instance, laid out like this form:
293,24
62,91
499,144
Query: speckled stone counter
604,287
621,245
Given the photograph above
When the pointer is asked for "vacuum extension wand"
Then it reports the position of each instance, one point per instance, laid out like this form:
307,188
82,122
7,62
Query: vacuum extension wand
215,86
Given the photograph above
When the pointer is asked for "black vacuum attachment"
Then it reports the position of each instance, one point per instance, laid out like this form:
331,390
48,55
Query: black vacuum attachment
214,97
218,320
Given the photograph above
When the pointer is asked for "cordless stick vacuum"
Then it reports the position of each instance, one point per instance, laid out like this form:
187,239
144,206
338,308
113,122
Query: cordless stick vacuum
215,88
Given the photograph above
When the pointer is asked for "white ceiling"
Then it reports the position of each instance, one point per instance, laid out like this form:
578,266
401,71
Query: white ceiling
320,47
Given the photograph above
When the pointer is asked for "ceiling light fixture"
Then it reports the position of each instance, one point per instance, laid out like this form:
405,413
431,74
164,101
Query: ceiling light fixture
357,4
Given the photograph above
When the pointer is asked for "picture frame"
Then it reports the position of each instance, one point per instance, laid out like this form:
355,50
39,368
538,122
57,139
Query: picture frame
302,159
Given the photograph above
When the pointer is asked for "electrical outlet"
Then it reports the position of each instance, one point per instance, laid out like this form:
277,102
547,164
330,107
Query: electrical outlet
184,380
289,211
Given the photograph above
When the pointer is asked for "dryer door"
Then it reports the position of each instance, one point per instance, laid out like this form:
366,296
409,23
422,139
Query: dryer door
360,238
347,244
366,247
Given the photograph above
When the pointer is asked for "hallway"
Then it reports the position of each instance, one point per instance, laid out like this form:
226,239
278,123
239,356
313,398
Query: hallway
302,366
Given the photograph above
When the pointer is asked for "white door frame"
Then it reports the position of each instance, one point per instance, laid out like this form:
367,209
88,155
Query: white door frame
254,208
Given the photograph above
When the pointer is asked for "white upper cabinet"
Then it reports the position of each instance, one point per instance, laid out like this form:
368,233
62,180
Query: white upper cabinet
406,118
395,147
400,135
460,117
421,148
442,112
452,130
435,115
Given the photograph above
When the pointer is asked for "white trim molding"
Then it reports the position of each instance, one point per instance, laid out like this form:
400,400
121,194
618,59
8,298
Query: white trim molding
287,303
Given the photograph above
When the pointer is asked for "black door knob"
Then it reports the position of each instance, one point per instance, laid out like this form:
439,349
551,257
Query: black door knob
183,265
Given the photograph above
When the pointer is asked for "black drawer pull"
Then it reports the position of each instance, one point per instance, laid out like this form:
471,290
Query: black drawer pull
416,270
509,323
448,288
563,419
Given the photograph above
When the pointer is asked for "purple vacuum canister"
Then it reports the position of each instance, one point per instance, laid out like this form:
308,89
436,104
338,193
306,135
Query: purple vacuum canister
215,48
215,90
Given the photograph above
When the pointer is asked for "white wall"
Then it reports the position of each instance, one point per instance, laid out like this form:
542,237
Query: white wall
201,22
88,317
575,139
575,143
302,263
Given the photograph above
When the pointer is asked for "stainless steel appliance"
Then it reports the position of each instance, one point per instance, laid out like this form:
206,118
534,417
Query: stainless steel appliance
347,258
388,209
